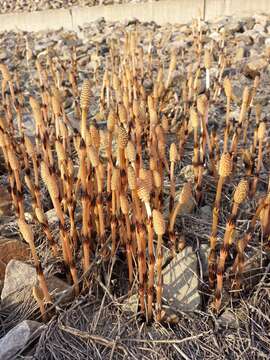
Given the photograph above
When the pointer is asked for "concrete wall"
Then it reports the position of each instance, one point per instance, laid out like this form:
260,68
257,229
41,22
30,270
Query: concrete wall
166,11
216,8
171,11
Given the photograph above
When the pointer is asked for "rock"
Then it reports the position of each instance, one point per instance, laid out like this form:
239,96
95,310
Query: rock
5,202
228,320
188,173
233,27
3,55
180,281
83,61
17,338
131,304
20,275
253,68
215,36
267,42
257,37
12,249
240,54
169,316
259,28
261,19
229,72
148,84
52,217
248,23
204,252
206,212
29,126
184,209
244,38
176,45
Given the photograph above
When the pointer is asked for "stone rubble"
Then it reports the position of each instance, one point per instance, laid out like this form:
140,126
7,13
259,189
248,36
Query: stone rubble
20,275
180,281
17,338
8,6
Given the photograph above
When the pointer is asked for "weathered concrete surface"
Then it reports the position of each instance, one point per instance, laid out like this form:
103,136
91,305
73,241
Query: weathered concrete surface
216,8
37,21
171,11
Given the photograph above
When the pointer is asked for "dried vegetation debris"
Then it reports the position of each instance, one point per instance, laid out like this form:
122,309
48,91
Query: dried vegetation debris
170,123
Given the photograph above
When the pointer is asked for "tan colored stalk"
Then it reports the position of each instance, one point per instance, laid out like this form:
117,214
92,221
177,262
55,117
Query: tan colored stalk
159,228
125,210
42,219
132,183
173,160
158,193
207,65
85,102
94,159
241,120
239,261
240,195
15,167
151,270
184,198
85,206
49,179
122,143
115,185
28,236
228,91
225,168
39,297
172,67
261,137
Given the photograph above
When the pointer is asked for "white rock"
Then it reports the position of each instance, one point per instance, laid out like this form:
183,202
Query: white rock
204,252
180,281
261,19
52,217
20,275
215,36
267,41
16,339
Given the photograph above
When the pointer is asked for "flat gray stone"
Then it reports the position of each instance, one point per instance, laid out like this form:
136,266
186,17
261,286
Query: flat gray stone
16,339
20,275
206,212
180,281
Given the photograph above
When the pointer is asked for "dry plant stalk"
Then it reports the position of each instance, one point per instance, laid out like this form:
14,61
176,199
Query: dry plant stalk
39,297
85,103
240,195
28,236
159,228
225,168
103,189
